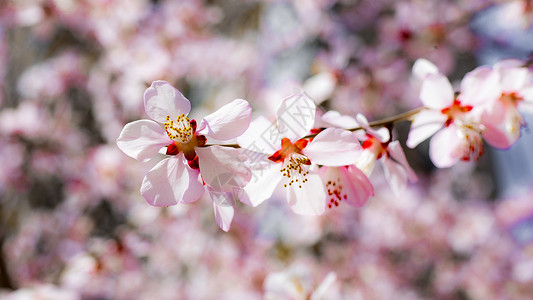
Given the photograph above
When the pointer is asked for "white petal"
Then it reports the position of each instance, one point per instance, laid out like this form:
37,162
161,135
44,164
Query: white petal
171,181
445,147
436,91
142,139
223,215
296,116
396,176
223,168
333,147
396,152
425,124
162,99
310,199
265,178
262,136
424,67
336,119
228,122
480,86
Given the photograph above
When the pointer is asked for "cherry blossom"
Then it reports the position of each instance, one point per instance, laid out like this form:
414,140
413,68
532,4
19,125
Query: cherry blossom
455,120
377,145
293,166
175,179
502,119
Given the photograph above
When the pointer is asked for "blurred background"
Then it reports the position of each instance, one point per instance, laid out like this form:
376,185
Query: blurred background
73,224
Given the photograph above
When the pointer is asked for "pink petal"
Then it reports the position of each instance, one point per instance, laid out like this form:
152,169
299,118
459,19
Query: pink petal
355,184
445,148
171,181
480,86
296,116
396,152
223,213
500,131
424,67
162,99
424,125
396,176
310,199
142,139
265,178
262,136
436,91
333,147
497,136
228,122
512,79
336,119
223,168
382,134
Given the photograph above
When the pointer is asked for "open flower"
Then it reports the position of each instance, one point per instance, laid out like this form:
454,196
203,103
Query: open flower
175,179
346,183
455,120
377,145
290,161
502,118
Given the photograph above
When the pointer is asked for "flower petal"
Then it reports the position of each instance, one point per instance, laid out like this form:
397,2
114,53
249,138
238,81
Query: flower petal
265,178
228,122
222,168
445,147
333,147
336,119
424,67
396,176
296,116
382,134
262,136
436,91
162,99
396,152
142,139
425,124
170,182
512,79
224,211
310,199
480,86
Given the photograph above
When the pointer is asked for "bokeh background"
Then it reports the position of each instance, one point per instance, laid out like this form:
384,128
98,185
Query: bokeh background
73,224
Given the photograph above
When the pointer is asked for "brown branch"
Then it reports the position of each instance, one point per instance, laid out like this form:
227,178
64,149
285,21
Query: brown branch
379,123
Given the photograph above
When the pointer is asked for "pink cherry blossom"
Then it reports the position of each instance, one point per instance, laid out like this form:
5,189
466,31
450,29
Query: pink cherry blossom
175,179
377,145
502,118
294,165
454,119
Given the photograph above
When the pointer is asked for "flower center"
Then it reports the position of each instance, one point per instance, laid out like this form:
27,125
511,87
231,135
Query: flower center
455,111
334,188
184,137
295,164
472,142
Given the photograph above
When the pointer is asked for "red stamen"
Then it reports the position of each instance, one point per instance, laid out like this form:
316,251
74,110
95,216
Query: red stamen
173,149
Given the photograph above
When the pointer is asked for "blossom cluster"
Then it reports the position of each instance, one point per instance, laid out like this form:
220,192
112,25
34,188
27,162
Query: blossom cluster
73,224
319,167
